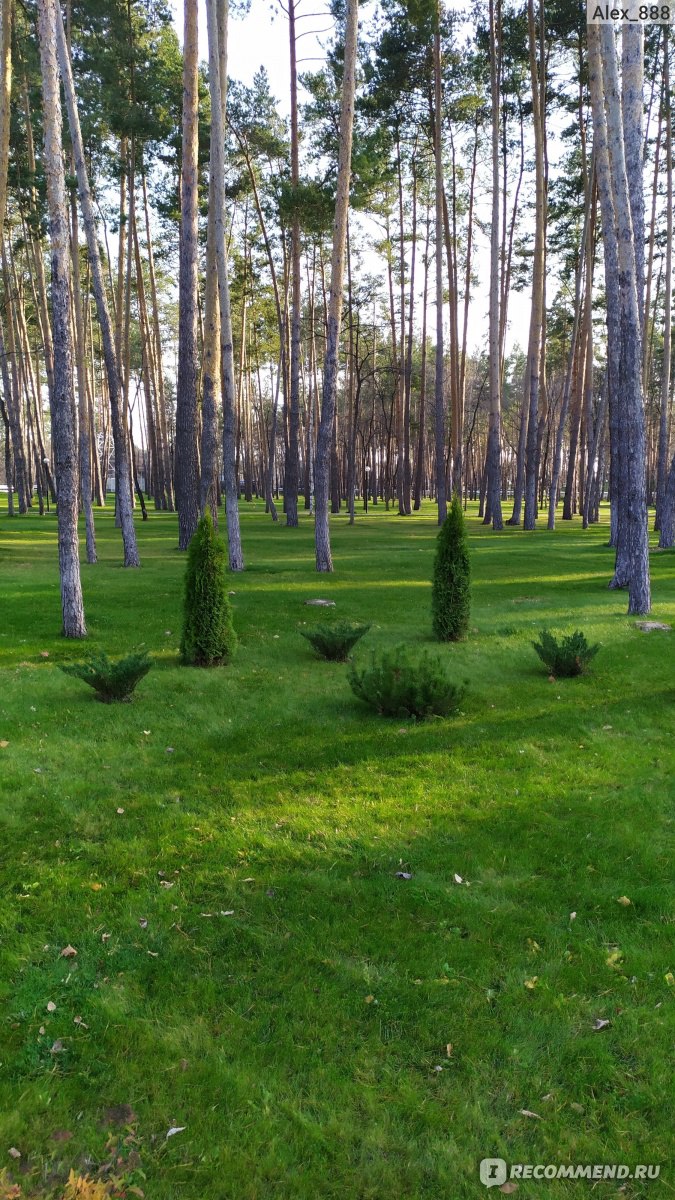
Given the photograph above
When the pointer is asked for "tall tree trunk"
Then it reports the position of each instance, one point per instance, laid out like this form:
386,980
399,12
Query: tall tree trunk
624,140
63,430
534,358
217,15
120,437
664,423
494,480
292,472
439,390
187,459
324,560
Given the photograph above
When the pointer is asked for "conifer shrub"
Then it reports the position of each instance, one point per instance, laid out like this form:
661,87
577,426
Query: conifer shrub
333,641
451,594
208,638
112,681
569,656
398,684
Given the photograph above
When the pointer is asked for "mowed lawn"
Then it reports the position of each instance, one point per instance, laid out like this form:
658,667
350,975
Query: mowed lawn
222,855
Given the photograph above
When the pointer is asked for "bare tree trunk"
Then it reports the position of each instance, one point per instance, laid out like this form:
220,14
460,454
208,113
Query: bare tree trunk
82,393
534,358
217,14
667,320
494,481
186,461
439,397
63,430
120,438
324,561
291,473
624,140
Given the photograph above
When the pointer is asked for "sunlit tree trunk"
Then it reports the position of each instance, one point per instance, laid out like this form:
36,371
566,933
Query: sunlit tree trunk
324,560
439,389
120,437
494,474
63,427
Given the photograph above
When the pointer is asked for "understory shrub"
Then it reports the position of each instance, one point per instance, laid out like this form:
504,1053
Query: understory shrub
208,634
396,684
112,681
451,595
569,656
334,641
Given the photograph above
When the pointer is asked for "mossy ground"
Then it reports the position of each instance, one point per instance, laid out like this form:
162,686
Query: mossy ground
298,1039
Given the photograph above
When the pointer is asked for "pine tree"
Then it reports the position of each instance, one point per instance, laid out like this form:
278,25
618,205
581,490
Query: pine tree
451,596
208,635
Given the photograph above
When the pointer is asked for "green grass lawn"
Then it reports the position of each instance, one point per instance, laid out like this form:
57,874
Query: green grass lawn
222,855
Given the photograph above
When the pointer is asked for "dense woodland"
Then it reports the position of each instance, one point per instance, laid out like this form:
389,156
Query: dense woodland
205,301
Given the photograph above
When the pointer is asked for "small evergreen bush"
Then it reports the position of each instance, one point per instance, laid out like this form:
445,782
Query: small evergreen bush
334,641
398,685
451,596
569,656
112,681
208,635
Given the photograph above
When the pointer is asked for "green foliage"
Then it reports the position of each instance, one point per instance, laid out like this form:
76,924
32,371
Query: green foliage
398,685
208,635
451,595
334,641
569,656
112,681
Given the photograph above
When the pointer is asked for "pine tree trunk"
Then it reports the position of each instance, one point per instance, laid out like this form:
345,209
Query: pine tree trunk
494,481
186,461
324,560
439,389
124,495
63,426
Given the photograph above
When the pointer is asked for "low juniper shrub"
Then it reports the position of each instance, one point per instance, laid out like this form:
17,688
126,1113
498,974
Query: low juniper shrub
208,635
398,684
112,681
569,656
334,641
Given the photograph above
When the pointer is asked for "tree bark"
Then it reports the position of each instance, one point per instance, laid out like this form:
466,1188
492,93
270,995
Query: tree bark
63,430
324,561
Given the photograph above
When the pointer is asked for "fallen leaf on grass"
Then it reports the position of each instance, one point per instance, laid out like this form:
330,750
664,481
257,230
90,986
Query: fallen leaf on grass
143,922
369,999
614,960
105,937
669,978
624,901
96,887
448,1049
577,1108
120,811
51,1007
227,912
166,883
600,1023
176,1129
509,1187
68,952
531,984
526,1112
57,1046
3,744
13,1152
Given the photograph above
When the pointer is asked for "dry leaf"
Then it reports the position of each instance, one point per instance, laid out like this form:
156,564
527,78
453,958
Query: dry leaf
120,811
600,1023
573,916
143,922
51,1007
669,978
105,937
531,984
57,1046
526,1112
533,946
96,887
166,883
509,1187
3,744
68,952
615,959
13,1152
624,901
176,1129
369,999
448,1049
42,1031
457,878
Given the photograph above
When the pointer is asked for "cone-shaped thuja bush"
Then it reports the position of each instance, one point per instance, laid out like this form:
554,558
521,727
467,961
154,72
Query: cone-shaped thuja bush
451,593
208,635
